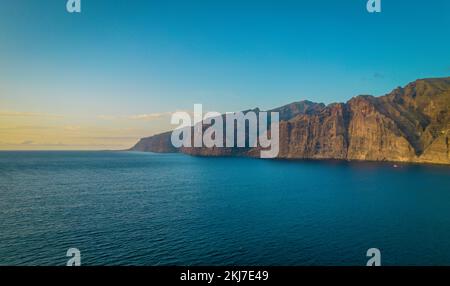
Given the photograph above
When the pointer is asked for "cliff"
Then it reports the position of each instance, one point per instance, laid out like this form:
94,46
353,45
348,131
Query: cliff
158,143
410,124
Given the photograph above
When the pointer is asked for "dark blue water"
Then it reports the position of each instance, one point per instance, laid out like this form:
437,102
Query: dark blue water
147,209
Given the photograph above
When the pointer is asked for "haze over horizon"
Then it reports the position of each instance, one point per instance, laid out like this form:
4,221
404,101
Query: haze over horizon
106,77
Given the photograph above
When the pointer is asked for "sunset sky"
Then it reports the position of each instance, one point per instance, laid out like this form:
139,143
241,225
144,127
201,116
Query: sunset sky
114,73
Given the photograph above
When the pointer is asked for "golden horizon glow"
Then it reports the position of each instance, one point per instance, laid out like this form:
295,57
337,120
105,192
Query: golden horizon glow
41,131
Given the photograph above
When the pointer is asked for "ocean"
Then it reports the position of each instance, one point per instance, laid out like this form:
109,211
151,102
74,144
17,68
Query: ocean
131,208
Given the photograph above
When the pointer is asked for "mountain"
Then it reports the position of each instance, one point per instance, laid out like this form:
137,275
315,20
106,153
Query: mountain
410,124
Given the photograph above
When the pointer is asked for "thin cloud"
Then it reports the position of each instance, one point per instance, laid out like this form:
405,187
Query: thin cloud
142,117
155,116
27,142
375,75
150,116
30,143
72,128
106,117
378,75
117,138
26,127
28,114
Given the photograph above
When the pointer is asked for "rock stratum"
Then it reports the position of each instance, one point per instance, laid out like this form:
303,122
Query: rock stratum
410,124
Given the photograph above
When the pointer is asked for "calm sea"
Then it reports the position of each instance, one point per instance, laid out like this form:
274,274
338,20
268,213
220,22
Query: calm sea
121,208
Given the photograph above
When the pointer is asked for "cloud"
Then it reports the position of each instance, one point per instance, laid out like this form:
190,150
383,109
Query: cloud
30,143
27,142
25,127
143,117
150,116
155,116
72,128
378,75
117,138
375,75
27,114
106,117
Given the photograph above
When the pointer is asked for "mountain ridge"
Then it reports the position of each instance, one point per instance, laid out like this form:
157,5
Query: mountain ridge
409,124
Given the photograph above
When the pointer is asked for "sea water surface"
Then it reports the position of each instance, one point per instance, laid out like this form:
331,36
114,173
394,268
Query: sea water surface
123,208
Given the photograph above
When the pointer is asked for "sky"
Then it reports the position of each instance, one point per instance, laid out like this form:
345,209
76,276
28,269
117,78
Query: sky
114,73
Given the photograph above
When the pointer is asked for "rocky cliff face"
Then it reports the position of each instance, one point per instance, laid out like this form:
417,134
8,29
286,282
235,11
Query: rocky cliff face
158,143
410,124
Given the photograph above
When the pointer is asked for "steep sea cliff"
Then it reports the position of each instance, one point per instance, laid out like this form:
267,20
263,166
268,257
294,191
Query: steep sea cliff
410,124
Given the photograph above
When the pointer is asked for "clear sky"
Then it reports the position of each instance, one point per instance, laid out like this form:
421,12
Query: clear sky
103,78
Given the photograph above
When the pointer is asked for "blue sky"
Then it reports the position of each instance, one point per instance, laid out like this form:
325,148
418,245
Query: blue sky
122,58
